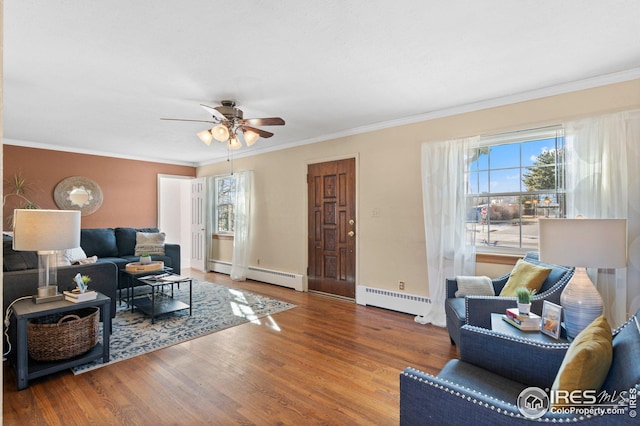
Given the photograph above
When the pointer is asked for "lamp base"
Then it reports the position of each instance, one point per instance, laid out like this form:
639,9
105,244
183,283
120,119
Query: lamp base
47,294
38,300
581,303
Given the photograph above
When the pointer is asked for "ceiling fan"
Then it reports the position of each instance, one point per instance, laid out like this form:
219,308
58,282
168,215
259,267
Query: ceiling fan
229,123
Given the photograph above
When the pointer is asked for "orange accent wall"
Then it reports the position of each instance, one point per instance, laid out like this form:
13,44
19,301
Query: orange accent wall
129,187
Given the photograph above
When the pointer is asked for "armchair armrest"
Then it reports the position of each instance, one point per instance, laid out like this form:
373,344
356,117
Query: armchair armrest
517,358
427,399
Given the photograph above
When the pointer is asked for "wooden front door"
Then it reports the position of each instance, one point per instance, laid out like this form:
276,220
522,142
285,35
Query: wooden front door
332,215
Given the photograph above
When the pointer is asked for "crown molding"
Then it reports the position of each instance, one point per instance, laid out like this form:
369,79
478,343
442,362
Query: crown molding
51,147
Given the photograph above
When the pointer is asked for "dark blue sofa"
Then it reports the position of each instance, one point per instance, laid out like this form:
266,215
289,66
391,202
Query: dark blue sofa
482,387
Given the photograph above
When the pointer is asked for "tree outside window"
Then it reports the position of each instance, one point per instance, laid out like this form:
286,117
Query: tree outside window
225,203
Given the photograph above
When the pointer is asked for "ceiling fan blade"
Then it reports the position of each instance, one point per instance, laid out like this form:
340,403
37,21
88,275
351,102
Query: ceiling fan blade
269,121
217,114
260,132
186,119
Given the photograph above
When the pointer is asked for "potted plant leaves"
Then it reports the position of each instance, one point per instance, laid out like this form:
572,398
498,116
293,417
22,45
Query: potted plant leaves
524,299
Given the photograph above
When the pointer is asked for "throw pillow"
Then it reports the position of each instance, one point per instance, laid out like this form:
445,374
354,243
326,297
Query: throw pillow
73,255
588,359
150,242
61,259
525,274
92,259
474,286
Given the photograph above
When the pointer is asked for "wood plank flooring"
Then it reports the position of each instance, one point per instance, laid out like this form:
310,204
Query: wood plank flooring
327,361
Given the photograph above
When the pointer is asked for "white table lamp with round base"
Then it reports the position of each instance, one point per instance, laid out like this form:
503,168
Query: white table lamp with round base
583,243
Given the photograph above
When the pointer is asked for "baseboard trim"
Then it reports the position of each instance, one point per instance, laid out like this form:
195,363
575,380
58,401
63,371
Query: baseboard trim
392,300
270,276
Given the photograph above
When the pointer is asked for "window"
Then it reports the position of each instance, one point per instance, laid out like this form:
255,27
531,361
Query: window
512,180
225,198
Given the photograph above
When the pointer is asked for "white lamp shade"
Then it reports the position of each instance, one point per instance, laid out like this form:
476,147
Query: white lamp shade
205,136
220,133
588,243
44,230
250,137
234,143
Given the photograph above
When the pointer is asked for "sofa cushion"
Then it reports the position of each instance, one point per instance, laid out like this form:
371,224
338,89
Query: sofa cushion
150,243
99,242
587,361
525,274
17,260
474,286
126,239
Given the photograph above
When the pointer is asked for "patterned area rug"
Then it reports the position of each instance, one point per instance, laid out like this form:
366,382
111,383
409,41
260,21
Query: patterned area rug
215,307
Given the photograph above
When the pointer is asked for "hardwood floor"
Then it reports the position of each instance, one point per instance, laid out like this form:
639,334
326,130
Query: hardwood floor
327,361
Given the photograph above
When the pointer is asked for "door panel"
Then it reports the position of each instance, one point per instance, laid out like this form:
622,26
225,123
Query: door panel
198,257
331,234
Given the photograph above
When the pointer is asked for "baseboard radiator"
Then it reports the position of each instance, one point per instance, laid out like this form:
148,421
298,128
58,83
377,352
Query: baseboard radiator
284,279
393,300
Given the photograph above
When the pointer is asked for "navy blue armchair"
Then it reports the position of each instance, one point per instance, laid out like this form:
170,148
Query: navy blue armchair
482,388
476,310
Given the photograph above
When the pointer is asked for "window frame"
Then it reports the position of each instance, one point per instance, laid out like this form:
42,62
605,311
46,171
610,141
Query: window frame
217,205
522,199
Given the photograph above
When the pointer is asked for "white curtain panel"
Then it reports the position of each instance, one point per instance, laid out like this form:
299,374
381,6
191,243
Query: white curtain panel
603,182
450,251
241,235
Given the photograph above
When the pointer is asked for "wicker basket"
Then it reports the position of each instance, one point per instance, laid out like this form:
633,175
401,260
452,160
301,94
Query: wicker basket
63,336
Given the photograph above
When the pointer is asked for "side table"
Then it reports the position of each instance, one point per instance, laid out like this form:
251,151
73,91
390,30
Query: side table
27,368
497,324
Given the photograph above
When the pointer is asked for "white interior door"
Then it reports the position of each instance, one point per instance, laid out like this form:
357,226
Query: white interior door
198,243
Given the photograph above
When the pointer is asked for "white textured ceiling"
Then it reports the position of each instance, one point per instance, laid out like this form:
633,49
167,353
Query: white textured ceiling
96,76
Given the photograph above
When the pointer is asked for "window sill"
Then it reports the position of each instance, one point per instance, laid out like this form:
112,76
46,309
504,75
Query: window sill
497,258
222,237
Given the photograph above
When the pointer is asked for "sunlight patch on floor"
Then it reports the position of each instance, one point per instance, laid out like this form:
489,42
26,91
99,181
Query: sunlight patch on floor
240,307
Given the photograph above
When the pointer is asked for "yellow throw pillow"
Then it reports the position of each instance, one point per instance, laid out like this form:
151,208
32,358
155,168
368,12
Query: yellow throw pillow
586,364
527,275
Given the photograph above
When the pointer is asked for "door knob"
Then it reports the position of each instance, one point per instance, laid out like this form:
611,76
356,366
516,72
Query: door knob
351,233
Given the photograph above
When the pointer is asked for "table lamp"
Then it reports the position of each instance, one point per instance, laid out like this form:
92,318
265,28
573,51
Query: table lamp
46,231
583,243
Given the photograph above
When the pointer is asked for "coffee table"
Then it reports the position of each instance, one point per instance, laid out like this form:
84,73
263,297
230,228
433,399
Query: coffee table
132,281
160,298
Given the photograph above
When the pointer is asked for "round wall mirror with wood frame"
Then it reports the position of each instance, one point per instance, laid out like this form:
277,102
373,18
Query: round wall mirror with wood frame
78,193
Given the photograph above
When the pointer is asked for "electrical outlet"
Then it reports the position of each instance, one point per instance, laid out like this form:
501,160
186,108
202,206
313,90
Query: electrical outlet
401,285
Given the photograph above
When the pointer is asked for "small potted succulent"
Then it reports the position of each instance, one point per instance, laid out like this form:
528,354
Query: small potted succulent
82,283
524,299
145,258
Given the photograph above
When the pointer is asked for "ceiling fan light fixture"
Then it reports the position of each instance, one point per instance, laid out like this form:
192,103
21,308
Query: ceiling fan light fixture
250,137
220,133
234,143
205,136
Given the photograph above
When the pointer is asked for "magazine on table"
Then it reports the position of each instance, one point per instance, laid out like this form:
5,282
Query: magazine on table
164,277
